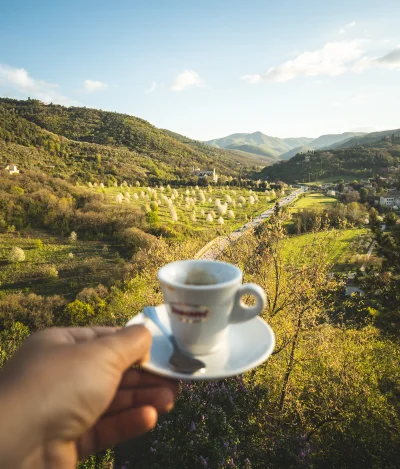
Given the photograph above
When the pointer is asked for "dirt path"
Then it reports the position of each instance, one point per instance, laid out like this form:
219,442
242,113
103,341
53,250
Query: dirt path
214,248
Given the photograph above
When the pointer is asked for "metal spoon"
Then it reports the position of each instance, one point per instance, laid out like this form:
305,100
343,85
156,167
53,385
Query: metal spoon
179,360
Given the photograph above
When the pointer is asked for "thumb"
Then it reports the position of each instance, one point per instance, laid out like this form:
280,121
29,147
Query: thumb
130,346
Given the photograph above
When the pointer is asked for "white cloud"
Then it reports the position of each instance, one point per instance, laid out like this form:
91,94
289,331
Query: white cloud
351,25
186,79
333,59
91,86
342,31
152,88
390,61
19,81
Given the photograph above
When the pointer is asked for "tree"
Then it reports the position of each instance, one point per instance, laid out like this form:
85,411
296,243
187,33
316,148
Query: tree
16,255
73,237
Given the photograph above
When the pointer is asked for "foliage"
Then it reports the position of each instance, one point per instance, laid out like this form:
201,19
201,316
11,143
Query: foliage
86,143
360,161
16,255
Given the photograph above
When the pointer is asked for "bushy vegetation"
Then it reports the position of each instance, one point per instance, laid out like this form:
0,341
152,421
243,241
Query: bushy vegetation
86,144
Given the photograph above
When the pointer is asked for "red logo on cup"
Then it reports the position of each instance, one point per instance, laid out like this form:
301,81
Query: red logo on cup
190,313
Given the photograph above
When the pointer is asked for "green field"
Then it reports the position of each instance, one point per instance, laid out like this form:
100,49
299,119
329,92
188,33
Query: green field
344,245
313,200
52,265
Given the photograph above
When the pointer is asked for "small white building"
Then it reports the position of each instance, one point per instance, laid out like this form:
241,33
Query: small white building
390,199
331,193
202,174
11,169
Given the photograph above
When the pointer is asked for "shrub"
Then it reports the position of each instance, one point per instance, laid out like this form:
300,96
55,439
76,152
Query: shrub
78,313
38,243
134,239
154,206
73,237
16,255
152,217
50,272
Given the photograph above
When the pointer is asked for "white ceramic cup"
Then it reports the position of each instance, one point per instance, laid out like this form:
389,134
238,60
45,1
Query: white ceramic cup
200,314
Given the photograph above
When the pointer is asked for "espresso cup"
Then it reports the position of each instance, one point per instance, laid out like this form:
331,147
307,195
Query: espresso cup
201,314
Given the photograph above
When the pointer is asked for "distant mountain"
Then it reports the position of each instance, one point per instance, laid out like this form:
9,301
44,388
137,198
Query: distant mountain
276,148
326,141
256,141
251,149
289,154
297,142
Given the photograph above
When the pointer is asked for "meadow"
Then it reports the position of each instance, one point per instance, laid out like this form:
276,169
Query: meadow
314,200
345,247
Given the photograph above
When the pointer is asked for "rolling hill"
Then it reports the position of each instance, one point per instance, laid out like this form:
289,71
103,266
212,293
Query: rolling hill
326,141
367,138
84,144
357,161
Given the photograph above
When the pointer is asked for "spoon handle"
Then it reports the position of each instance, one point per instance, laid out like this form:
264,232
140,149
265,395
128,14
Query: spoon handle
151,313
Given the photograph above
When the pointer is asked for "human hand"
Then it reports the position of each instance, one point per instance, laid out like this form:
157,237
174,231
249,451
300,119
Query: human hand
68,393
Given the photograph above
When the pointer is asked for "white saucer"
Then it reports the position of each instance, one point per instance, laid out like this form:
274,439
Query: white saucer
248,345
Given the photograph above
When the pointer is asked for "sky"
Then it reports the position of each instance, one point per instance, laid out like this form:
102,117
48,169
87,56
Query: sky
210,68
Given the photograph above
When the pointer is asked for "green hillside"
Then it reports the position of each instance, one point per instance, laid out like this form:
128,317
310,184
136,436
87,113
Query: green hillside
251,149
331,139
84,143
368,138
356,162
289,154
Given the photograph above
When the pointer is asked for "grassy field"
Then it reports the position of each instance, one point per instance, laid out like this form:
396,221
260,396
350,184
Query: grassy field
52,265
345,246
313,200
193,205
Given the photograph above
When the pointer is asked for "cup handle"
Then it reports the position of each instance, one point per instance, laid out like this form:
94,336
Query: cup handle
240,311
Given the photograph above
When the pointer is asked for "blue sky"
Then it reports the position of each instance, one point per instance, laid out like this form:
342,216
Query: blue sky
211,68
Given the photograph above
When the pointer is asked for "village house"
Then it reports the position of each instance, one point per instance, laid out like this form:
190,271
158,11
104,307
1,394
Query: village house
201,174
11,169
391,199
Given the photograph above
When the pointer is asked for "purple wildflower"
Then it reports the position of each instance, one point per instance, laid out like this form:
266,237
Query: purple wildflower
203,462
153,451
192,427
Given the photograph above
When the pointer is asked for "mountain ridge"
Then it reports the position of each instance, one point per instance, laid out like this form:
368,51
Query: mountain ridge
278,148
